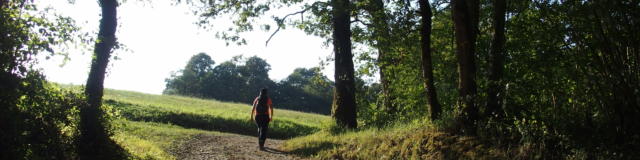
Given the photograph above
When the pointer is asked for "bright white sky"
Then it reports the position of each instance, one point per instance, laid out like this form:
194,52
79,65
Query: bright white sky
163,37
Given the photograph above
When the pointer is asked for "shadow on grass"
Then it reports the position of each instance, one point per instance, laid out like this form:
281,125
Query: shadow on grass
313,150
278,129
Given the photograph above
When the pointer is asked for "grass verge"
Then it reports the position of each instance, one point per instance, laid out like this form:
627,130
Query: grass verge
399,142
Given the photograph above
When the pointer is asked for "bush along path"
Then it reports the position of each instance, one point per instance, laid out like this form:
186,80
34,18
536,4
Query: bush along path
230,146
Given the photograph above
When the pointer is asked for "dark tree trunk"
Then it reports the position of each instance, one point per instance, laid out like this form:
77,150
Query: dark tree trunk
344,100
494,91
381,36
93,133
465,18
427,67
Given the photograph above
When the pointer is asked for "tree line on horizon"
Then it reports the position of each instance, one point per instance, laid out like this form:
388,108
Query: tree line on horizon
240,79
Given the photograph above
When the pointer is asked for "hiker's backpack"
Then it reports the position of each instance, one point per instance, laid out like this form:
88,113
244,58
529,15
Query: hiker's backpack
261,107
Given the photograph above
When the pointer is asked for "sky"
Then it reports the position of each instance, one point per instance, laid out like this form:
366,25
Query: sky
161,38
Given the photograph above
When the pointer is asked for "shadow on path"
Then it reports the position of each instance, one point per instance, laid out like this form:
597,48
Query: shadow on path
274,151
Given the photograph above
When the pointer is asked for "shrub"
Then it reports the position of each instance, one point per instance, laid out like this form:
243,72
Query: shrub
39,120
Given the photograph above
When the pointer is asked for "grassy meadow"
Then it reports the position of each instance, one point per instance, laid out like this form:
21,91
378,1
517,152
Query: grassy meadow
208,114
151,126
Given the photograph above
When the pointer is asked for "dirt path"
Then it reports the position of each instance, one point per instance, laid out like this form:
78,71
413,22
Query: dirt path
230,146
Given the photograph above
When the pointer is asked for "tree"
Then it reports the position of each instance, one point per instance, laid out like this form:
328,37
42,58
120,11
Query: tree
381,41
494,90
344,102
199,64
465,17
193,77
227,82
305,90
255,72
92,128
427,67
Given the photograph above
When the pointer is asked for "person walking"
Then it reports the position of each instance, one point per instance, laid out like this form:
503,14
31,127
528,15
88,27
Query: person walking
262,113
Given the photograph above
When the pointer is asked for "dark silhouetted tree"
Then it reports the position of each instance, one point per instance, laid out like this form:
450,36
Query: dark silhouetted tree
427,67
94,138
494,90
465,18
344,102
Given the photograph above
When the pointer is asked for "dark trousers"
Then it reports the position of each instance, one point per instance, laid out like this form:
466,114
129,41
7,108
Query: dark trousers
262,121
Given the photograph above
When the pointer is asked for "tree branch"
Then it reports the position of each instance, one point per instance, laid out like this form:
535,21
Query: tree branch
280,22
361,22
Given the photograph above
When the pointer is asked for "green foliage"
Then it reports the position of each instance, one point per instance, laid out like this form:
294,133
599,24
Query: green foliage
571,80
570,74
243,13
37,119
305,90
556,71
403,70
42,122
192,77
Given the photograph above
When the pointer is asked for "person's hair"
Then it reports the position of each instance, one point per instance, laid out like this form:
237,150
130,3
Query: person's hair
263,92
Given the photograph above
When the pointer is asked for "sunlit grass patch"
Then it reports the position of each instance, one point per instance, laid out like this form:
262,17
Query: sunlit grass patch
224,110
398,142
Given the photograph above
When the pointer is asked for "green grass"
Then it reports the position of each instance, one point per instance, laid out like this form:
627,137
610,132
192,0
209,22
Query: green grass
209,115
209,107
403,141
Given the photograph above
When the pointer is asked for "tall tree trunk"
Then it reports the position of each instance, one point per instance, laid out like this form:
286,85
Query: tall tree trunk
465,18
381,36
344,100
427,67
93,133
494,91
